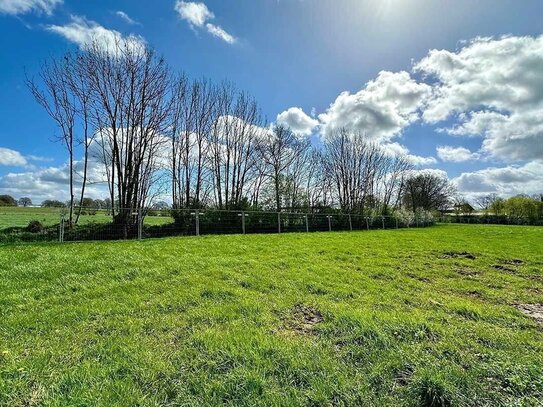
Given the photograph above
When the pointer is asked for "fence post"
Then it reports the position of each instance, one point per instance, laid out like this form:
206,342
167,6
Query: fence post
329,223
140,224
278,222
396,222
197,218
383,220
243,222
350,223
61,229
367,224
306,224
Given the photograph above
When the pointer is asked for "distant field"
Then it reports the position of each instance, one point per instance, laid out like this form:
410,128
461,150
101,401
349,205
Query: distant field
20,217
412,317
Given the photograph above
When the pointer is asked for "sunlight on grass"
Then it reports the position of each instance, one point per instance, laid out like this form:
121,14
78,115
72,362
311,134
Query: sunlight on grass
380,318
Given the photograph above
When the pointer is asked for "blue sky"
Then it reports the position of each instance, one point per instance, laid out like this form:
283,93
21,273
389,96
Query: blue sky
451,109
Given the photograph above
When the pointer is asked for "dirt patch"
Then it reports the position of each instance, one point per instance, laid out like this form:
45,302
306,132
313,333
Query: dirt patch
302,319
534,311
513,262
501,267
419,278
467,272
458,255
474,294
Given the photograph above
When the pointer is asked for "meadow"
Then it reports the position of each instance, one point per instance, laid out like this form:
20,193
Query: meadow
409,317
20,217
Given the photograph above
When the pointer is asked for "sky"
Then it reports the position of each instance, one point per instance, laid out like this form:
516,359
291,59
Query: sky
455,85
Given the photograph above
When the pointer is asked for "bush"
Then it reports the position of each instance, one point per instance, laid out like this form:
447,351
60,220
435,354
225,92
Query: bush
34,226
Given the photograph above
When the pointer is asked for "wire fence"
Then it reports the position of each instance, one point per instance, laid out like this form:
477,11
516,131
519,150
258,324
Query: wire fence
492,220
43,224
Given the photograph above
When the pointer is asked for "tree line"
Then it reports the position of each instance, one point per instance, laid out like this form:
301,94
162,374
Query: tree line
157,132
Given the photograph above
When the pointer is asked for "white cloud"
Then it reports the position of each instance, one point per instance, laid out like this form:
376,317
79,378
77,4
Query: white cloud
299,122
198,15
220,33
15,7
125,17
398,149
11,157
495,86
505,181
195,14
53,182
381,110
84,32
455,154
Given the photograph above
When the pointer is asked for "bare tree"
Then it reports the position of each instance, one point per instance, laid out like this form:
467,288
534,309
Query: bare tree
193,107
279,153
351,162
56,97
130,88
233,139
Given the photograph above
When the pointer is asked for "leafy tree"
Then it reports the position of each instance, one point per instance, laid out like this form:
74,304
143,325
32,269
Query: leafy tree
522,206
25,201
88,203
427,191
7,200
51,203
497,207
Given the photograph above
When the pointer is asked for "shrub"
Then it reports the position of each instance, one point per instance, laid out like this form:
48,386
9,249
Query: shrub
34,226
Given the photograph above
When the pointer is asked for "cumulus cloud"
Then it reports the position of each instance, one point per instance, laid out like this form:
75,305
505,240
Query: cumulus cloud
126,18
495,88
395,149
53,182
381,110
299,122
84,33
506,181
195,14
11,157
455,154
198,16
15,7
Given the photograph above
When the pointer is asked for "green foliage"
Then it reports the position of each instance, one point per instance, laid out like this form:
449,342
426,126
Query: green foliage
411,317
49,203
524,207
34,226
7,200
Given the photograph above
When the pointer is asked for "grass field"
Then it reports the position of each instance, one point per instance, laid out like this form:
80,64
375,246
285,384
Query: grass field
382,318
20,217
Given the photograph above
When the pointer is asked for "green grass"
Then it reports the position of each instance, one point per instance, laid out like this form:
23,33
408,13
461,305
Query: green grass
20,217
379,318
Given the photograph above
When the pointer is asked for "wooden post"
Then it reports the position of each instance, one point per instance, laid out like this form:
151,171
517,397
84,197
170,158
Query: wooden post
140,224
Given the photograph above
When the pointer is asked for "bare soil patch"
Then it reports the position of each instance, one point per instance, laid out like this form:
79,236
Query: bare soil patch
458,255
513,262
464,271
501,267
303,319
534,311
